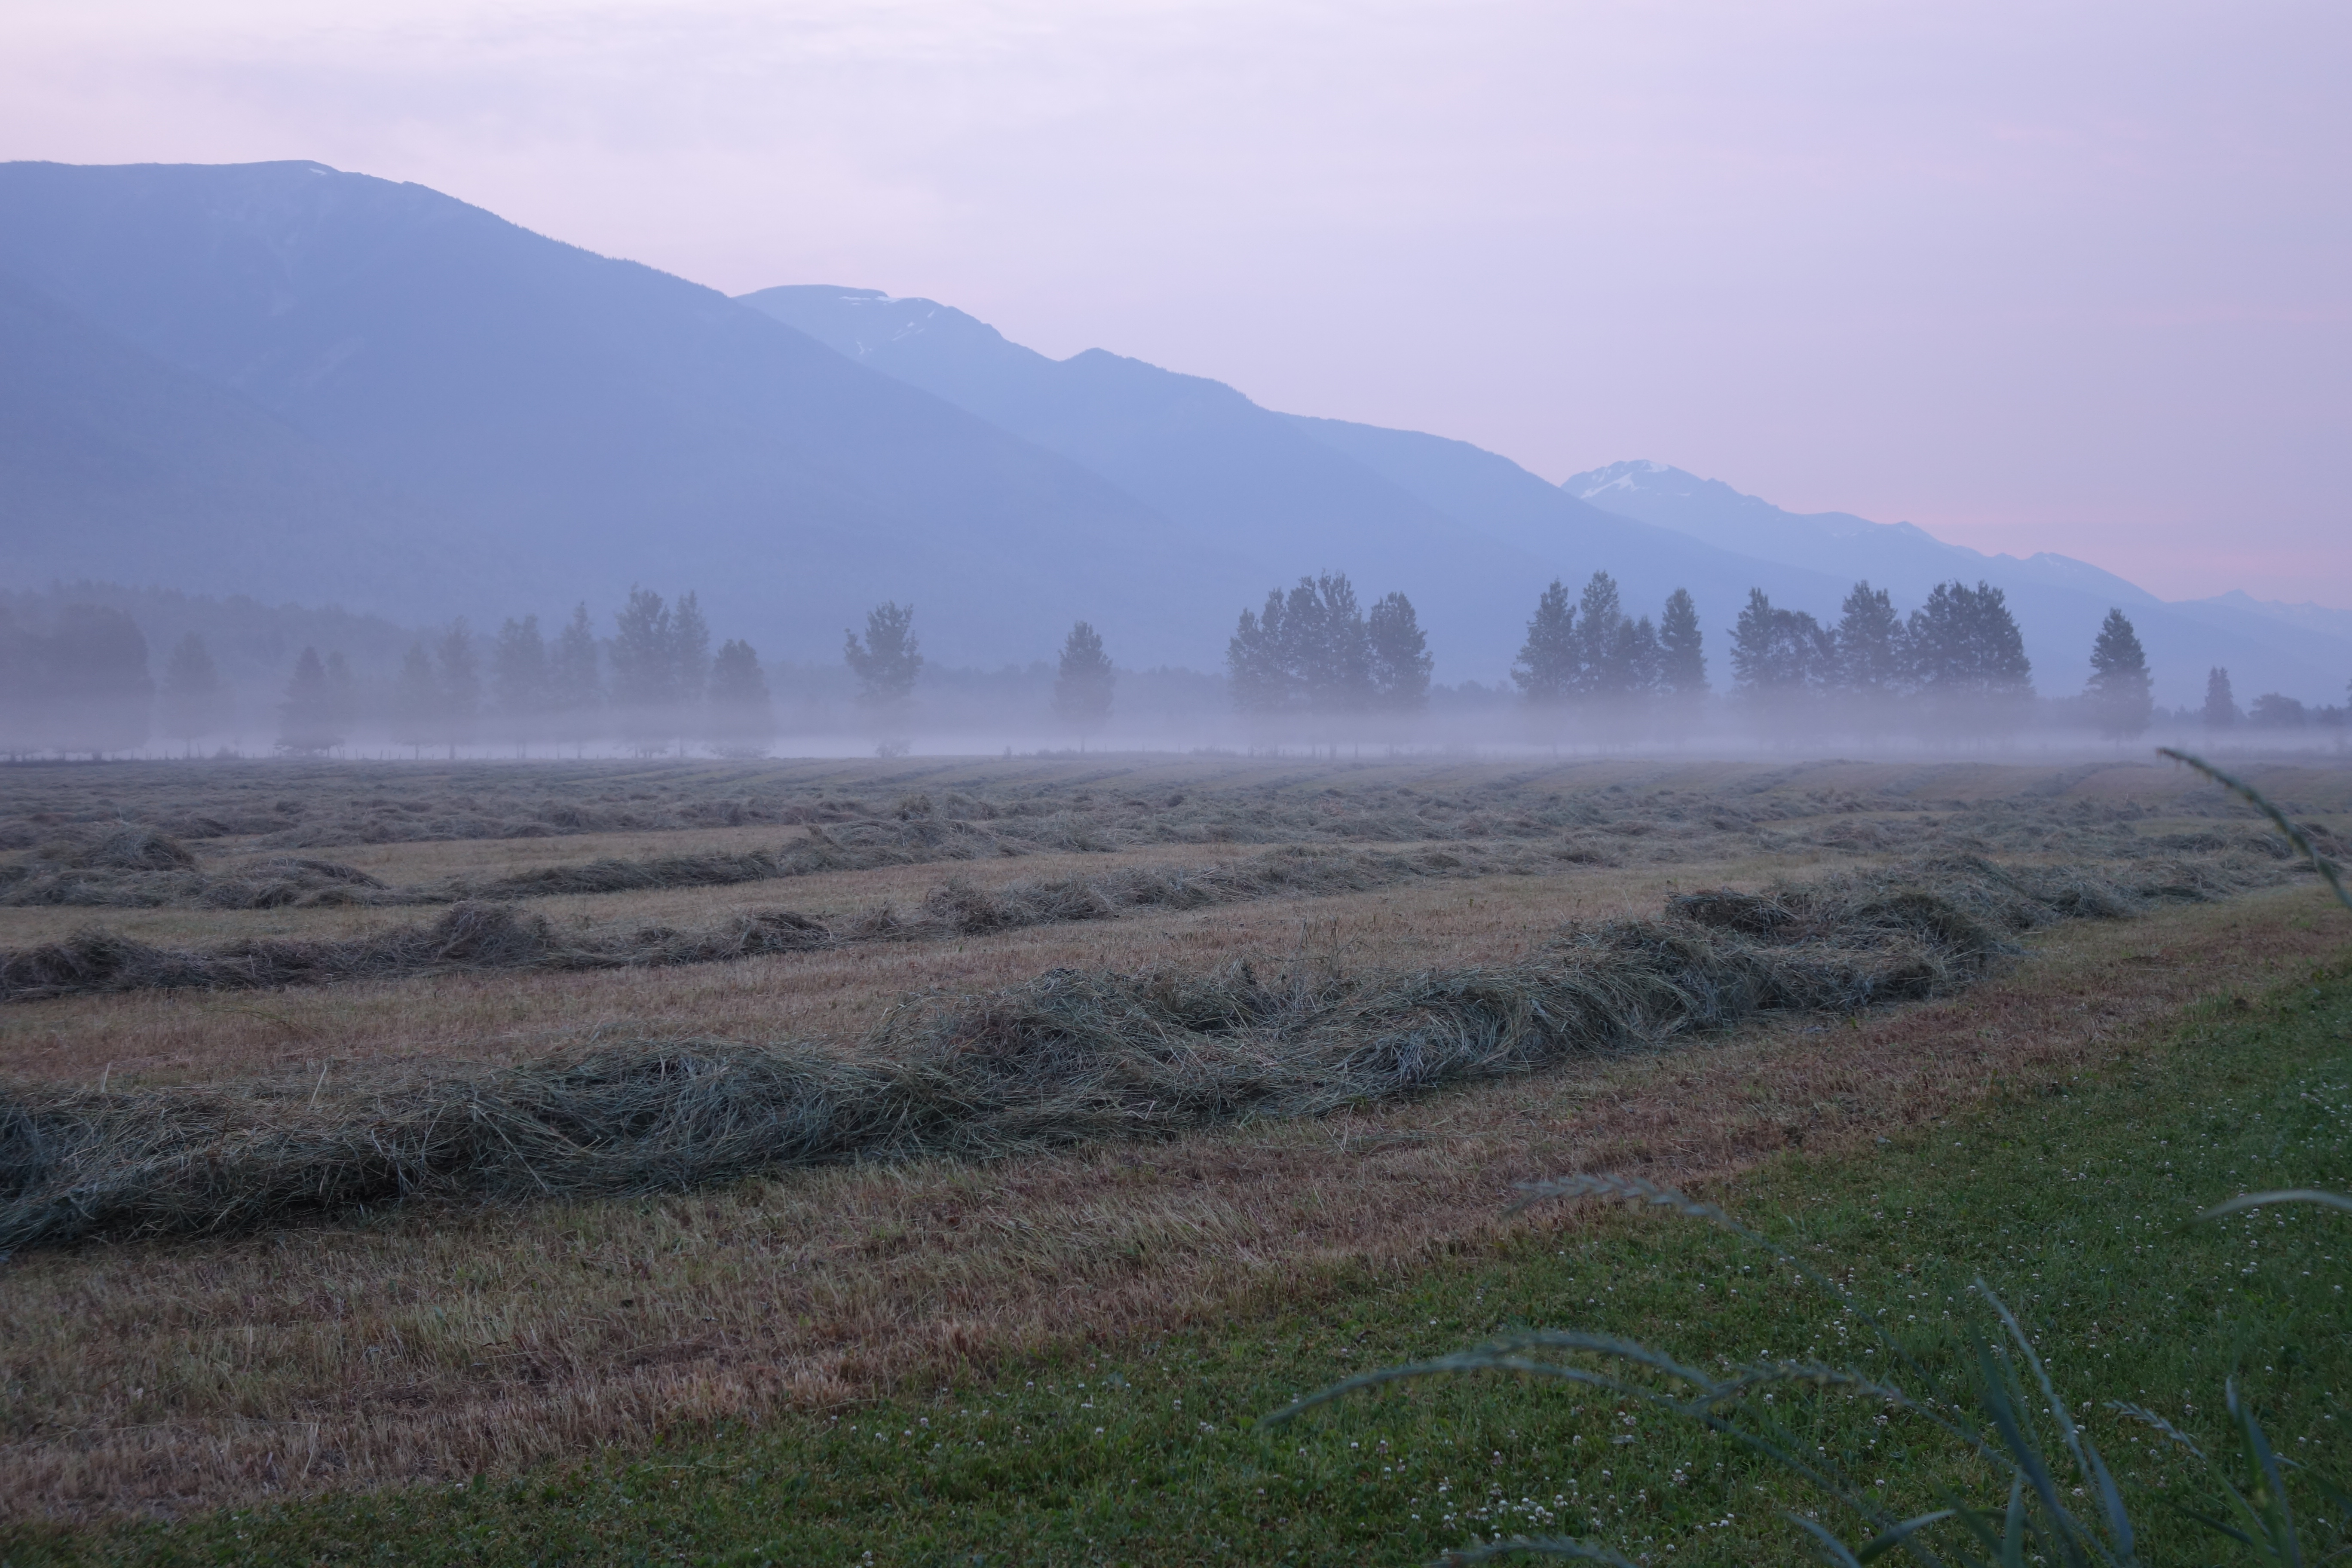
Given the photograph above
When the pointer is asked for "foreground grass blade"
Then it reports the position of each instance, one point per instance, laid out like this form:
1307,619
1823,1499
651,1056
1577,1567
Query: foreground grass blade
1536,1546
2287,1196
2244,790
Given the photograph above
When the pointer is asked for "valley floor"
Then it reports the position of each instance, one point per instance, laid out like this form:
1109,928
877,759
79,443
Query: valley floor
706,1354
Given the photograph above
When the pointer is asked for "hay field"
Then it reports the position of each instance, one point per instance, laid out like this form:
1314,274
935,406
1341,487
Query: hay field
447,1335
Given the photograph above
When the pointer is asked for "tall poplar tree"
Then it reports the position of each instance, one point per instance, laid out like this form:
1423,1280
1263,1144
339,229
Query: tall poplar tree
2119,687
2221,709
1550,659
1682,650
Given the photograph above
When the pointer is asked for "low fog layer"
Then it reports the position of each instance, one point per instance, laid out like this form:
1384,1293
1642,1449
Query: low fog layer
1312,667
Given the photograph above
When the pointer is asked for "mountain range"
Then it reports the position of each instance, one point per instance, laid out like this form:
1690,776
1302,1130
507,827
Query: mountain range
282,380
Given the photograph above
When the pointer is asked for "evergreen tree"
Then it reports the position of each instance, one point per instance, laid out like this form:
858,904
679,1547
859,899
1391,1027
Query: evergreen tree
307,718
574,691
1968,655
1682,655
1308,650
2221,709
2119,685
194,701
1398,655
520,674
1600,639
1873,655
889,660
1083,685
1550,661
739,718
461,684
416,702
1779,655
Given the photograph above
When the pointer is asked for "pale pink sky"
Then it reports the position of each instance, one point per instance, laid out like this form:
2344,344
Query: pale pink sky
2071,277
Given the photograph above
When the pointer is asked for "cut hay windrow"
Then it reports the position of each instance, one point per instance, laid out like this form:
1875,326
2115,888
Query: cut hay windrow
482,935
1069,1058
132,867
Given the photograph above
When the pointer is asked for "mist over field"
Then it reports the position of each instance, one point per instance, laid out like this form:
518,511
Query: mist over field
305,460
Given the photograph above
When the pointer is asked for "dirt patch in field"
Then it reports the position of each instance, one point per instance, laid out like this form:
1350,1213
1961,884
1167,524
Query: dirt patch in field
185,1375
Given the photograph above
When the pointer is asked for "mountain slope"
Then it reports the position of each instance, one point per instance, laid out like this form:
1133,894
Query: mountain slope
1471,536
587,423
1895,556
108,456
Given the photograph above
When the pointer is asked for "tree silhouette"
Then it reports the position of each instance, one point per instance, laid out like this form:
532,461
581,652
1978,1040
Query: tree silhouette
888,661
1873,651
1083,685
1778,656
1682,651
2221,709
1601,644
1256,671
1550,661
1969,657
1398,655
2120,686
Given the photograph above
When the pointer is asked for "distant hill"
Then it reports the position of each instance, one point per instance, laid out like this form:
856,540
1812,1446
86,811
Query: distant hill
285,382
1471,536
2059,602
547,424
111,459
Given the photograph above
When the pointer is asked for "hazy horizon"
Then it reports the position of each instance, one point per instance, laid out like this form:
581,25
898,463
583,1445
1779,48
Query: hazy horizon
2066,282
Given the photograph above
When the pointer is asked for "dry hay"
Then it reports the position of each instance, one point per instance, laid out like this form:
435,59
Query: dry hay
1071,1056
478,935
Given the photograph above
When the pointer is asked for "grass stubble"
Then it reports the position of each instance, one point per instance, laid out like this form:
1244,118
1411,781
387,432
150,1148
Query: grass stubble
175,1376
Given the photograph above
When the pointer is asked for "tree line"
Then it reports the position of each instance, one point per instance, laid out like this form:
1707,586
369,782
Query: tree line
1312,653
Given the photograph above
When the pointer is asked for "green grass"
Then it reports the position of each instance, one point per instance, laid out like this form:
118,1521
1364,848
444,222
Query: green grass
2075,1205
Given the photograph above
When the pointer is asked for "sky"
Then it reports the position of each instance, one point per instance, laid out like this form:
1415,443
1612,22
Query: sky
2073,277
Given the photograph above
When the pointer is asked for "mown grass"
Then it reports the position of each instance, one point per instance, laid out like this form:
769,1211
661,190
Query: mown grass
2076,1205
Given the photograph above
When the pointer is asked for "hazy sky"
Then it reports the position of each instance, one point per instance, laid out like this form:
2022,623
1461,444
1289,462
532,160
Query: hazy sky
2071,277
